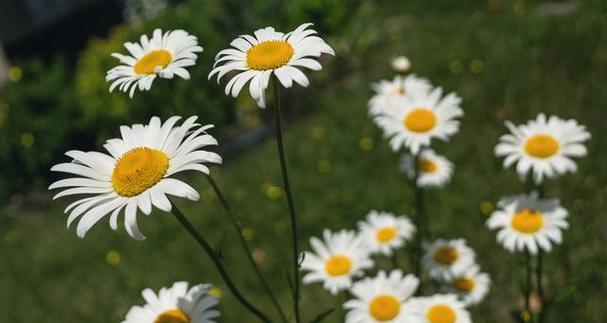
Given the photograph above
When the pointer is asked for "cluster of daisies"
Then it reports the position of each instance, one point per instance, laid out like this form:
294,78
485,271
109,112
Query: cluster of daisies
452,264
543,148
344,261
411,112
137,171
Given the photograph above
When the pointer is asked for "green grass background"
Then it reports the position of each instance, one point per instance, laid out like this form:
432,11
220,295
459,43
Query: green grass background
506,65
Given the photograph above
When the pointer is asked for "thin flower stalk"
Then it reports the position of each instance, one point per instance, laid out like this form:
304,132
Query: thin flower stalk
289,196
237,224
208,249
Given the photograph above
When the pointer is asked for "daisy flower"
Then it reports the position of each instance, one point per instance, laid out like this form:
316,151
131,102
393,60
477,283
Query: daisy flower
526,222
137,173
434,170
401,64
382,298
176,304
382,231
400,86
544,146
164,55
440,308
470,285
266,53
336,260
412,121
443,258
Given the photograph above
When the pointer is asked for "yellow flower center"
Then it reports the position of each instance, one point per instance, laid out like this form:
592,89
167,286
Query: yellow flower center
527,221
138,170
386,234
338,265
173,316
427,166
269,55
464,284
441,314
399,90
420,120
148,63
446,255
384,307
541,146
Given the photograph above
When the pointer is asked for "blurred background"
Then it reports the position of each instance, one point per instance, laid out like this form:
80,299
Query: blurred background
507,59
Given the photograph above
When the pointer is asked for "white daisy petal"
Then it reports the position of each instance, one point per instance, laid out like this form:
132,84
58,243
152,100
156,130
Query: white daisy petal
543,146
383,232
526,222
342,256
136,174
163,55
439,308
175,304
411,115
446,258
383,298
269,52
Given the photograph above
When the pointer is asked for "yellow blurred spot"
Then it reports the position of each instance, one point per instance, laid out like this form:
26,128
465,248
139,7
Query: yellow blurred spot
526,316
11,237
112,257
273,191
486,208
318,132
366,143
248,234
280,226
15,74
456,66
27,140
252,120
323,166
477,66
215,292
519,7
208,194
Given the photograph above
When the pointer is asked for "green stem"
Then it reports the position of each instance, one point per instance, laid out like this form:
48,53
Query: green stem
218,263
528,283
419,219
287,187
236,223
540,288
539,268
394,259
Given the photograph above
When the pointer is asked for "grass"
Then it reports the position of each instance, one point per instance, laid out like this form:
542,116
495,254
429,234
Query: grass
504,65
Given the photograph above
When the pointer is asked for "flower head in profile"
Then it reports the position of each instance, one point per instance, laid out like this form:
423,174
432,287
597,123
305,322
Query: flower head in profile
164,55
544,146
434,170
526,222
176,304
400,86
440,308
338,259
444,258
413,121
383,232
269,52
383,298
136,174
401,64
470,285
